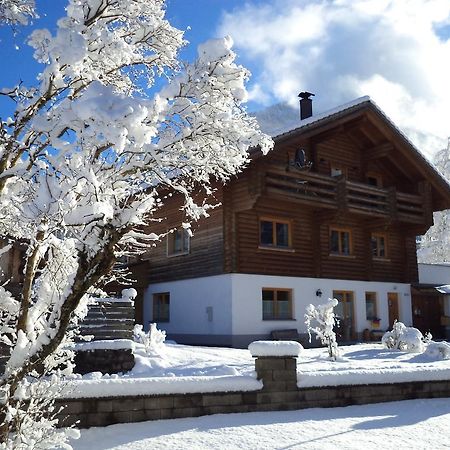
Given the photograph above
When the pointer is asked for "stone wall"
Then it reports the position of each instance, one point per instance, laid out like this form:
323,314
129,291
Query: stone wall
104,360
279,393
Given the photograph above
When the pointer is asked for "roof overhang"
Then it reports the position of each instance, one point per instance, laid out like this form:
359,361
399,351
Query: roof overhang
364,106
432,288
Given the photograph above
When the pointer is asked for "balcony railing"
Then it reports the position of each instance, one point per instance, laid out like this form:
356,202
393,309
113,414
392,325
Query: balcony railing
338,193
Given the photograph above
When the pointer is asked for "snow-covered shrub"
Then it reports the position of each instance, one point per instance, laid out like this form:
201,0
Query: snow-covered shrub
152,340
325,319
406,339
34,417
128,295
438,350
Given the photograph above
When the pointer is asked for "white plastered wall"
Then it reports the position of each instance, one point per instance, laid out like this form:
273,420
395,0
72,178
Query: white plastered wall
234,303
197,306
247,310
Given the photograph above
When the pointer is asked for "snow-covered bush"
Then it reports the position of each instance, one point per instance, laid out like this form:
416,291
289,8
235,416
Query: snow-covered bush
128,295
325,320
406,339
152,341
438,350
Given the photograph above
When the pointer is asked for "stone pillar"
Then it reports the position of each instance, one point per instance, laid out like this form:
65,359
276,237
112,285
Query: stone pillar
278,373
276,364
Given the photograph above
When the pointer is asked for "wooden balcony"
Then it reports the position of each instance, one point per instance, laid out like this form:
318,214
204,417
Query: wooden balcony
348,196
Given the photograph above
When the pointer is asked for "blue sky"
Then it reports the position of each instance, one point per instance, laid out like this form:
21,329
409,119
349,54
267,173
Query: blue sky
398,52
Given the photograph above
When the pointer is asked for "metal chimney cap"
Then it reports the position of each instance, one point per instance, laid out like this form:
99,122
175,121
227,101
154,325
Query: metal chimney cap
305,95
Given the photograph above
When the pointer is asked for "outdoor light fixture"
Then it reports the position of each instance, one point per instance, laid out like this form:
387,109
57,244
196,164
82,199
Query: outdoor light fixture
319,293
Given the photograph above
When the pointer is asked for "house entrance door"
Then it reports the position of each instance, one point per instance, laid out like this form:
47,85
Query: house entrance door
345,330
393,308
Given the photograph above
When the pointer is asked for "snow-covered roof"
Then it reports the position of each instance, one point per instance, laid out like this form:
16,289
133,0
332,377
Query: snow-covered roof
444,289
346,108
288,129
441,264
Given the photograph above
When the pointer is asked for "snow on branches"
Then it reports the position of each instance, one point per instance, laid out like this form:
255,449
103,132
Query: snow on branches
18,12
93,148
325,319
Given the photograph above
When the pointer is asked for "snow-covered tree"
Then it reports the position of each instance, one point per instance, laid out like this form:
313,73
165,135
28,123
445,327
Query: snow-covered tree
90,153
321,321
434,246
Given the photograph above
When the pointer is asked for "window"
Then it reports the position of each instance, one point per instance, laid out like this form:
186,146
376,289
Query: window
374,179
178,243
340,241
378,245
277,304
371,305
161,307
274,233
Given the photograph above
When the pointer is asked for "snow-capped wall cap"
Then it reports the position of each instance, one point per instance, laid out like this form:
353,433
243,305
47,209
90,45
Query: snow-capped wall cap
275,348
113,344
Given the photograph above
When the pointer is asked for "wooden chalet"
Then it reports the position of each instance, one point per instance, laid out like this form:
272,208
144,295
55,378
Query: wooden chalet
332,211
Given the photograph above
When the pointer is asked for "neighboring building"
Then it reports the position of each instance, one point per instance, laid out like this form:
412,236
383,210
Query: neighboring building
431,300
332,211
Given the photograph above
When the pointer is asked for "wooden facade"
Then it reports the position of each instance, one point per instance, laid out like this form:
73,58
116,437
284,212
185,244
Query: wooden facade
365,178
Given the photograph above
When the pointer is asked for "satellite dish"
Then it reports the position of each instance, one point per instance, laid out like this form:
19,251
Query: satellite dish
300,161
300,158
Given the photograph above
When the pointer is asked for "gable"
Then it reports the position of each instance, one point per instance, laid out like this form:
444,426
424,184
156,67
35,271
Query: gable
362,140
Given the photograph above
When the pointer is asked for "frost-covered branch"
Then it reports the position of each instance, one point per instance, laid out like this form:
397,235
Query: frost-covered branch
91,152
16,12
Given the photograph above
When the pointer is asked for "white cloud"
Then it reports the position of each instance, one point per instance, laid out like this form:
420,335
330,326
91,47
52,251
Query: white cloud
398,52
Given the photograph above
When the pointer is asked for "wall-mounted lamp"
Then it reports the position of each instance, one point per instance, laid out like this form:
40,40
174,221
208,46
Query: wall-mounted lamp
319,293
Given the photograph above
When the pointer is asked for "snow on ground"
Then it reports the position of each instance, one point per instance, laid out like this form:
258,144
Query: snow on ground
413,424
368,363
181,369
174,360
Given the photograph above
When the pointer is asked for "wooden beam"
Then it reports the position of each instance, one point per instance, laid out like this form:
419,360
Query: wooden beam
427,201
378,152
317,245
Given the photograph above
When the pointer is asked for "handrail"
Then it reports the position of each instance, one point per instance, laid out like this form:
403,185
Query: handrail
356,196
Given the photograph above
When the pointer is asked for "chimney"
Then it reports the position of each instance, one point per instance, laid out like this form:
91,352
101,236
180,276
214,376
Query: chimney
305,105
